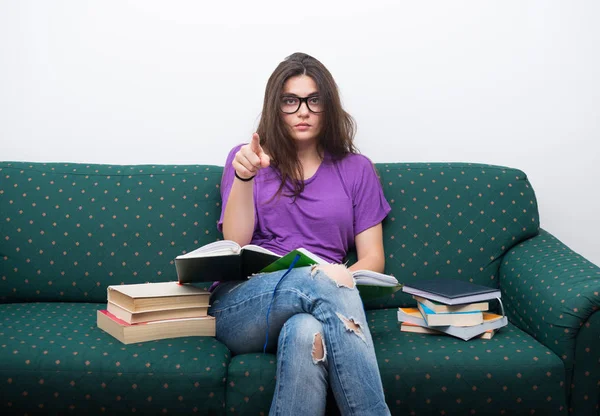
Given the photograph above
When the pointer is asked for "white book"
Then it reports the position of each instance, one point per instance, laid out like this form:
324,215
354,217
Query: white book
224,248
147,297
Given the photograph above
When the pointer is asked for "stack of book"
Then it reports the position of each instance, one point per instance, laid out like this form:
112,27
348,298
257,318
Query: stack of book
152,311
451,307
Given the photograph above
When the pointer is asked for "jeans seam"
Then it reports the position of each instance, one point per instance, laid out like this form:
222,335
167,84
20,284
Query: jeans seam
321,315
301,294
279,378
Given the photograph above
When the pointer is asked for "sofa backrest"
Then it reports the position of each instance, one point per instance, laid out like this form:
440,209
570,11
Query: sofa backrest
67,231
70,230
452,220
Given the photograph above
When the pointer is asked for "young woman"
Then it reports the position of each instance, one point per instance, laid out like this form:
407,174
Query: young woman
300,183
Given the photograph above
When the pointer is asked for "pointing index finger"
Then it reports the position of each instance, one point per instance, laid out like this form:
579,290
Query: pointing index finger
255,144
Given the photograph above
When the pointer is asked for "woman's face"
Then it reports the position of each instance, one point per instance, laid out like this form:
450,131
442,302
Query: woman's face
304,125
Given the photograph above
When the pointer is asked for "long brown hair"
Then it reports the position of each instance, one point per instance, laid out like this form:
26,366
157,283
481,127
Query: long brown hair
337,129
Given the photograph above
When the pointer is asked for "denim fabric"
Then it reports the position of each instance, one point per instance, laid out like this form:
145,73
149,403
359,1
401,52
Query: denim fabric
307,302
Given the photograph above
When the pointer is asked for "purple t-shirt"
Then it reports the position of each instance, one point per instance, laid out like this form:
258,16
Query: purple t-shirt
339,201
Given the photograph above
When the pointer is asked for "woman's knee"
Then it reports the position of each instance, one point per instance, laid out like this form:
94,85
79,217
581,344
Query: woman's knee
306,332
336,272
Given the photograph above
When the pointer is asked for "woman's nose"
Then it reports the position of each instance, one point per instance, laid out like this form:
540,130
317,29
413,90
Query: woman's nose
303,110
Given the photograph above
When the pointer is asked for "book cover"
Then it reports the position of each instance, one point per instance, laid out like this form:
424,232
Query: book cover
432,318
451,291
441,308
412,316
306,259
222,260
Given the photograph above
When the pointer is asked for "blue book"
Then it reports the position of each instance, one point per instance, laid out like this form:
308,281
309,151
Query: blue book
469,318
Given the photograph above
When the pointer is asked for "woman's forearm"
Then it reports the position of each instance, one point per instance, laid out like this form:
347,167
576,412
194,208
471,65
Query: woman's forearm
238,221
374,263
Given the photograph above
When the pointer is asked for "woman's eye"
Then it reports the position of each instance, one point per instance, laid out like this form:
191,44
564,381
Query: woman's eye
314,100
290,100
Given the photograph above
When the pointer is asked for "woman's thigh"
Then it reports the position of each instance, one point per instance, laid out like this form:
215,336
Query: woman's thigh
240,308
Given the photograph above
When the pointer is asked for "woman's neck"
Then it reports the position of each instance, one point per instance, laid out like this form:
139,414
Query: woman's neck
309,154
310,158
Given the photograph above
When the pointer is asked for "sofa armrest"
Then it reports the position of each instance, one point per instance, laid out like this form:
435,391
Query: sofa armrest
551,292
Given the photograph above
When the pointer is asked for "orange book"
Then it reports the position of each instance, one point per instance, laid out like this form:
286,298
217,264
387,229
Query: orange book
408,327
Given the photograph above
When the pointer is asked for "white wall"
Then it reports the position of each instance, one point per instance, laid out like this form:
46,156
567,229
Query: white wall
513,83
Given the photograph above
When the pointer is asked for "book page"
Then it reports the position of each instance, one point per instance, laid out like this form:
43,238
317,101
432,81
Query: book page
368,277
160,290
259,249
218,248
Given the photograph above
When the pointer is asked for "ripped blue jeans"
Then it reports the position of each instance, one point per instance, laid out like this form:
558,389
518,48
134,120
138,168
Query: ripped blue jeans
318,327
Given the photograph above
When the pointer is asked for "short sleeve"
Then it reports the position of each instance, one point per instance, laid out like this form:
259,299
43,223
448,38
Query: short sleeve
369,203
227,183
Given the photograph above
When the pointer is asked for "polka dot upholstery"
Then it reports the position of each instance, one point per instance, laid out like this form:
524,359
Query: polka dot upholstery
451,219
54,360
553,294
510,374
70,230
67,231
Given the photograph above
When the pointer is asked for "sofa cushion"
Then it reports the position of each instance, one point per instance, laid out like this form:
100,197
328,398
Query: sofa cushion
431,375
53,357
510,374
251,383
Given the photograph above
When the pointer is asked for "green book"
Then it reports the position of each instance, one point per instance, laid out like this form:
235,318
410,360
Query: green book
371,284
306,259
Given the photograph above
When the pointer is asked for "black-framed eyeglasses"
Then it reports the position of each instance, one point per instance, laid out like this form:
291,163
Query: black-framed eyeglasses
289,104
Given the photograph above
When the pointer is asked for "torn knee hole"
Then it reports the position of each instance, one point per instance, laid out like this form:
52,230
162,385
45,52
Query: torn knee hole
352,326
318,351
336,272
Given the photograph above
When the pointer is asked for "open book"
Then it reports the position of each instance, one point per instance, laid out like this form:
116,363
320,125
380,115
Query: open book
222,260
362,277
226,260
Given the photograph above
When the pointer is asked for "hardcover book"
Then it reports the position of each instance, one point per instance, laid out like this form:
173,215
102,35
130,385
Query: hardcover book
150,331
441,308
451,291
148,297
432,318
222,260
157,315
408,327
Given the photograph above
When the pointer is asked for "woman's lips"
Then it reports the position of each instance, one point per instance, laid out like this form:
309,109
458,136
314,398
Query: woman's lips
302,127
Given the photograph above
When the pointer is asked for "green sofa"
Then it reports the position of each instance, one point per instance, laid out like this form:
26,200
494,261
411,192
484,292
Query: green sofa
67,231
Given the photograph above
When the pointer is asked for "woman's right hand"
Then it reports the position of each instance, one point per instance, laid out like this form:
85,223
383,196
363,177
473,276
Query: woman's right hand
250,158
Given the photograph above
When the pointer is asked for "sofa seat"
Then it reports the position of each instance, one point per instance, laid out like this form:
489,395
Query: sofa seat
510,374
54,352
